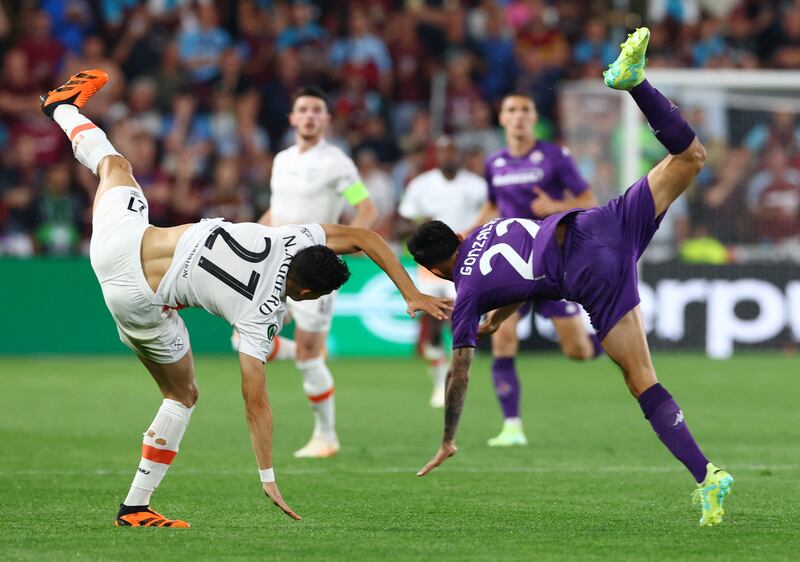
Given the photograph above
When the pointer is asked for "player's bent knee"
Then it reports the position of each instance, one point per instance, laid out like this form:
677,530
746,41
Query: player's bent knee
504,347
696,155
186,395
578,351
114,163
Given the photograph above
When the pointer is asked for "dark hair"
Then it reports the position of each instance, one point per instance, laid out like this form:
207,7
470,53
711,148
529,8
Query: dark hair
311,92
516,94
318,269
433,243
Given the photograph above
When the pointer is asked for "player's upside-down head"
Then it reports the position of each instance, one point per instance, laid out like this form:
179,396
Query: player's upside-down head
315,271
434,245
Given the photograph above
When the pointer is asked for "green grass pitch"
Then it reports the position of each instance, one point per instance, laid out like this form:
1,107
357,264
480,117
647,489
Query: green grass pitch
594,483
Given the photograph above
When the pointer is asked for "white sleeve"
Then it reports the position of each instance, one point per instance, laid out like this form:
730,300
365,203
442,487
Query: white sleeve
314,234
481,188
344,173
410,207
254,337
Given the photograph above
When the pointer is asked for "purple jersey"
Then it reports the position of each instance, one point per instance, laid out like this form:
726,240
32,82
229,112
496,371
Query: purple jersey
508,261
511,179
505,261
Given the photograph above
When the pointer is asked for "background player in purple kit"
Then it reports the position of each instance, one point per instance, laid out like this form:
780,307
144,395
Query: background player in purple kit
588,256
532,179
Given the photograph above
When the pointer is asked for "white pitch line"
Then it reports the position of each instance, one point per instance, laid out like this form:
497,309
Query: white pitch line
571,469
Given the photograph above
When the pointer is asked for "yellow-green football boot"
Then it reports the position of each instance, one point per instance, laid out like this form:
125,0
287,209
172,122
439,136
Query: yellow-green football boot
628,70
511,436
711,495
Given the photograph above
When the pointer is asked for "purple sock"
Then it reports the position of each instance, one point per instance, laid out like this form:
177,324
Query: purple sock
669,126
667,420
598,348
506,385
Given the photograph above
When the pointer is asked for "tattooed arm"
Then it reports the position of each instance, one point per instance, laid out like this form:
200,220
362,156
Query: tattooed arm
455,393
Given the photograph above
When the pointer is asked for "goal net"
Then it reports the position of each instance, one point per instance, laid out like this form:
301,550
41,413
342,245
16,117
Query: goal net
723,272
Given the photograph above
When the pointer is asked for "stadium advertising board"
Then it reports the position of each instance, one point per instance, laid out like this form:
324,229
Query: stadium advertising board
58,308
718,309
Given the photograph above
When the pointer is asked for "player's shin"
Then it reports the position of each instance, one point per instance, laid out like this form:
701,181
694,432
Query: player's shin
159,447
506,386
89,143
318,386
668,125
666,418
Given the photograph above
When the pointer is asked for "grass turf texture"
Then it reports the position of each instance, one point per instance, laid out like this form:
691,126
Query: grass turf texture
594,484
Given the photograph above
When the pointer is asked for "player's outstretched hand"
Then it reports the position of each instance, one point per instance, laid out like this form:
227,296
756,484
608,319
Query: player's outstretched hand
437,307
447,450
272,492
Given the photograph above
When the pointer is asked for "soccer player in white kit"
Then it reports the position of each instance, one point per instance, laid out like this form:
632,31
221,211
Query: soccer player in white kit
311,182
240,272
455,196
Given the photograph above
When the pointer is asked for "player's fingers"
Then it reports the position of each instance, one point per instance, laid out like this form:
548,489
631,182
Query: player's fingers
438,459
441,312
277,500
289,511
428,467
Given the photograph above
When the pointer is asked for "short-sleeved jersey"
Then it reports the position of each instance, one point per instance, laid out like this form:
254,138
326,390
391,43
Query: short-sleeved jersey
313,186
455,202
506,261
511,179
237,271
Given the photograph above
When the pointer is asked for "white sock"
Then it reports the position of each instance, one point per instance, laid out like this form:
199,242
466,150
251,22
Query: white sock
283,348
318,386
432,352
159,447
438,371
89,143
516,423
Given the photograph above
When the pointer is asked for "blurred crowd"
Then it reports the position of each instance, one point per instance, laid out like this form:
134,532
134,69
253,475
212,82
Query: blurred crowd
200,91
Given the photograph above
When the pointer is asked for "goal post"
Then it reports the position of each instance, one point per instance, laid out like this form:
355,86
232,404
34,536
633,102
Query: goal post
723,272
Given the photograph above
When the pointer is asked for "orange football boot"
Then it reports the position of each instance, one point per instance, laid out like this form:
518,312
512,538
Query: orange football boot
77,90
148,518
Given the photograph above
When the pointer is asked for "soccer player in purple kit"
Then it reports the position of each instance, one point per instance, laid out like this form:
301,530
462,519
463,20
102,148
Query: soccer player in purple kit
585,255
531,179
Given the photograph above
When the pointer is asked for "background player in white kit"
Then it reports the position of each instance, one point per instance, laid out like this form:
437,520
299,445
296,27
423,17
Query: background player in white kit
240,272
453,195
312,181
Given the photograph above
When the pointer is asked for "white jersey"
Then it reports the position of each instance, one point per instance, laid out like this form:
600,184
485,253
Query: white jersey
237,271
455,202
313,186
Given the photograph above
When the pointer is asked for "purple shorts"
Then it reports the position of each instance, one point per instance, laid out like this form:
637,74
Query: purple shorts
548,309
600,252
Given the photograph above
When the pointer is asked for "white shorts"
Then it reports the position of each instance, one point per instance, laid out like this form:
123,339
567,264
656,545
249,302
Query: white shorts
151,331
313,316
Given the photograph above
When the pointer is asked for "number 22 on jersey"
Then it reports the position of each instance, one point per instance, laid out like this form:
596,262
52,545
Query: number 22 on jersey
521,265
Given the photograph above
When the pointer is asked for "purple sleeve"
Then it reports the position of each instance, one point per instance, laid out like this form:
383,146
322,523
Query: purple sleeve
466,318
491,194
569,175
